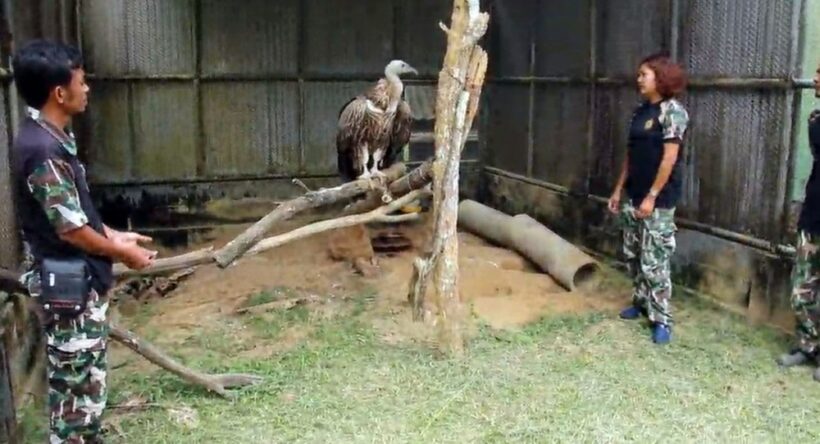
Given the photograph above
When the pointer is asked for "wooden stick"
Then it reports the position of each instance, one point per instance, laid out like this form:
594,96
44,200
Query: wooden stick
250,237
284,304
414,180
218,384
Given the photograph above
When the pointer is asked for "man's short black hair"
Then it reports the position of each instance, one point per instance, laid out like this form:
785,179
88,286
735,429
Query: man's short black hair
40,66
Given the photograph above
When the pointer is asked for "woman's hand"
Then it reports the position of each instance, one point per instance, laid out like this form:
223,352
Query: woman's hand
646,208
614,203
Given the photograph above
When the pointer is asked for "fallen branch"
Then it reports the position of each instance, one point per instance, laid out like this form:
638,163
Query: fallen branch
219,384
381,214
250,237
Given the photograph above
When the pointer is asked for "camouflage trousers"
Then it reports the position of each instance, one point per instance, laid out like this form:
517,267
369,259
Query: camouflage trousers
805,297
76,367
648,245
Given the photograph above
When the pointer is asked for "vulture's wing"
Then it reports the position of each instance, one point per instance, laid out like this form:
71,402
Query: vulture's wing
400,135
352,120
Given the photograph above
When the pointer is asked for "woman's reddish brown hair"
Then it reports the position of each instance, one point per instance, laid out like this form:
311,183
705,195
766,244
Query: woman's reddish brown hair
670,77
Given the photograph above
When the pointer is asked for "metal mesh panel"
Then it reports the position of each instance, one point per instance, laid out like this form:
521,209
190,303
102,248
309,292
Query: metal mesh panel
160,36
560,135
419,40
105,134
260,37
562,38
105,42
8,226
510,35
507,127
250,125
323,101
344,37
613,111
736,160
743,38
628,30
165,130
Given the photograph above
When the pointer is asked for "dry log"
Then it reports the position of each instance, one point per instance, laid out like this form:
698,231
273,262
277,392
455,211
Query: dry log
219,384
250,237
459,88
381,214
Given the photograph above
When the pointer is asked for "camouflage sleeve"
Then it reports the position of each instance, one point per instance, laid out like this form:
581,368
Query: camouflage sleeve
674,120
52,184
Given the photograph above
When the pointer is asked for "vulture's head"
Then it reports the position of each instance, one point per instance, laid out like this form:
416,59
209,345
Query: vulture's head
399,67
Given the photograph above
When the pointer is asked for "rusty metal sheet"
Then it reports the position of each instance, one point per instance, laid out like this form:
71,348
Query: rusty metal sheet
560,123
323,102
419,40
510,37
250,128
160,36
736,157
8,224
562,38
165,118
104,133
613,111
258,37
105,46
507,127
738,38
627,31
344,37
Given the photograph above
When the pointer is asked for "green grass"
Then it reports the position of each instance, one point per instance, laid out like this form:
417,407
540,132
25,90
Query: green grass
590,378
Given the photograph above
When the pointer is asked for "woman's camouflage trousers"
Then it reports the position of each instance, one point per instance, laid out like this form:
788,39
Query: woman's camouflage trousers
648,246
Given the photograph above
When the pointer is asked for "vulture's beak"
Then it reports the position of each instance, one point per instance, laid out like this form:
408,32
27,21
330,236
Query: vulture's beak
412,70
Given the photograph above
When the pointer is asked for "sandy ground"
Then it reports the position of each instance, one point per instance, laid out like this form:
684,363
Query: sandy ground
503,289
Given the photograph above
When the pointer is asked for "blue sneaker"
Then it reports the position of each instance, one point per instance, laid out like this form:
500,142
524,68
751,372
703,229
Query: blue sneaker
661,334
631,312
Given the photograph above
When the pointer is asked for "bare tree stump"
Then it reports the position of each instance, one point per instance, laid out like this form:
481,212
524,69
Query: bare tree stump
459,90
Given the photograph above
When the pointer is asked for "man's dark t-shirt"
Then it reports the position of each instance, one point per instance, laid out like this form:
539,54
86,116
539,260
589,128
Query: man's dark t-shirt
53,197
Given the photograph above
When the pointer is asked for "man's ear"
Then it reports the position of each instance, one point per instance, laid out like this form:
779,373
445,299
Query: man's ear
59,94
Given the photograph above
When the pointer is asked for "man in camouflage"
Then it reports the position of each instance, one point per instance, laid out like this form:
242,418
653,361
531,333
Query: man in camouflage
805,296
59,221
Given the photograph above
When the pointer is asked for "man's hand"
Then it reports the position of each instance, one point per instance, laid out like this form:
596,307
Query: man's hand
614,203
136,257
646,208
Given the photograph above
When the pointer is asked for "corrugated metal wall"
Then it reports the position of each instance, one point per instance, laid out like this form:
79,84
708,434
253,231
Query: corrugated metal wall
562,92
213,90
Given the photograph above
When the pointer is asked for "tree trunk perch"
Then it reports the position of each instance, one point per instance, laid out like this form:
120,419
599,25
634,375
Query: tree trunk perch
459,89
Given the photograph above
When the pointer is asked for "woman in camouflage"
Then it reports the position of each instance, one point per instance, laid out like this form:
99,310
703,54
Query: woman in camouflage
651,177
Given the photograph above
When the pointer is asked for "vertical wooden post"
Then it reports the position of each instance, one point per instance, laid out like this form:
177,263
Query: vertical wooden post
459,90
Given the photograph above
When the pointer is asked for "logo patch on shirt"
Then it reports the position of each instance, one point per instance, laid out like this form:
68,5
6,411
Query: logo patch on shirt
648,125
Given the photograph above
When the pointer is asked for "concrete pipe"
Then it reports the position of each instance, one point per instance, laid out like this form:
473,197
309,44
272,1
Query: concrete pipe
562,260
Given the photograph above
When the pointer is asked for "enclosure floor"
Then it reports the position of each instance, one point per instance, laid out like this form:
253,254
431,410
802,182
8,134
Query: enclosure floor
542,364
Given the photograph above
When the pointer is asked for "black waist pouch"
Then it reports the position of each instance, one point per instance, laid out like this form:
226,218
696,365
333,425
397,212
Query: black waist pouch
66,284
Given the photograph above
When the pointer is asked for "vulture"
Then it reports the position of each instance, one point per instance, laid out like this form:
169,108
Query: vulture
375,126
